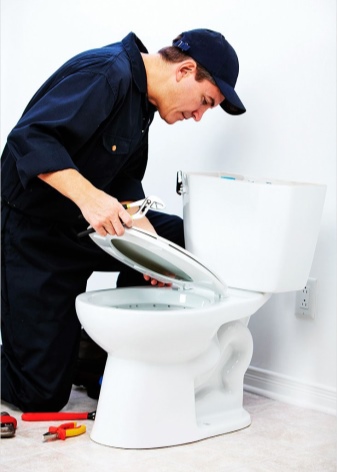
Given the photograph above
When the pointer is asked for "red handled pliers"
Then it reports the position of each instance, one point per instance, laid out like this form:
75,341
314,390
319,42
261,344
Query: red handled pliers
8,425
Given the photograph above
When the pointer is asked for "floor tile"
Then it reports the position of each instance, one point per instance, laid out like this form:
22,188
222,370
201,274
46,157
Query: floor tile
281,438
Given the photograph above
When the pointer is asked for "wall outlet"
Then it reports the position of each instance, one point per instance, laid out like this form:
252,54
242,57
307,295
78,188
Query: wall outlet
306,300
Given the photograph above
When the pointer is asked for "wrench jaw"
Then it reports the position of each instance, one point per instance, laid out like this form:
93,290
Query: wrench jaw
149,203
142,210
156,203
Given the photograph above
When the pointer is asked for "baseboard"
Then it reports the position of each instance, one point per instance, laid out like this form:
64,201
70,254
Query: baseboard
288,390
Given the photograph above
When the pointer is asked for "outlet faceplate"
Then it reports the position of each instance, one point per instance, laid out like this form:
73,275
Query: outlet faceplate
306,300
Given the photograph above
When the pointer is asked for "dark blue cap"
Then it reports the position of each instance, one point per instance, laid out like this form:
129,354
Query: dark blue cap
212,51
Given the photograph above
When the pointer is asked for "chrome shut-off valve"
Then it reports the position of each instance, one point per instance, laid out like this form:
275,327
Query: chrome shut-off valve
180,188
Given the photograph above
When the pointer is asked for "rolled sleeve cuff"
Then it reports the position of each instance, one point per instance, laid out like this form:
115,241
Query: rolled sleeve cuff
33,164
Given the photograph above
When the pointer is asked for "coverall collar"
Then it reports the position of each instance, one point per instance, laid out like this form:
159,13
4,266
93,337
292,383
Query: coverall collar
134,47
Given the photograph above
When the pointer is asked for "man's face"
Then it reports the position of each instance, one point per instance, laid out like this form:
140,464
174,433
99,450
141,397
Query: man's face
188,98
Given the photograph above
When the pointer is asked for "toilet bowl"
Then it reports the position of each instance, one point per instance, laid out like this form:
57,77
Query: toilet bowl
177,355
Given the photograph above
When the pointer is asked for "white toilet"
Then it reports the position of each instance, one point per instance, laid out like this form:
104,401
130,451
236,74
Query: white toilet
177,355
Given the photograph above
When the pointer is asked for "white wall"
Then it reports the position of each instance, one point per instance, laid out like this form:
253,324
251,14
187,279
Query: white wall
287,81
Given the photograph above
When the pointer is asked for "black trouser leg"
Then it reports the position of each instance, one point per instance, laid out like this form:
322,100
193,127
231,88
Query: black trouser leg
44,268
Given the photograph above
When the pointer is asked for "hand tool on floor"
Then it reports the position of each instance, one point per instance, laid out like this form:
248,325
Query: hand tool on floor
65,430
8,425
149,203
58,416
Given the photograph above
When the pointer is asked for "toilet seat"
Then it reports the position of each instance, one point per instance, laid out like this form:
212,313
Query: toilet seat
162,260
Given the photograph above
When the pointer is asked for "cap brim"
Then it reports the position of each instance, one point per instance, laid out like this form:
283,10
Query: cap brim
232,109
232,104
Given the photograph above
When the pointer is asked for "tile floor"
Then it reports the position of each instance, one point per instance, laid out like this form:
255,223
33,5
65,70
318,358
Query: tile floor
281,438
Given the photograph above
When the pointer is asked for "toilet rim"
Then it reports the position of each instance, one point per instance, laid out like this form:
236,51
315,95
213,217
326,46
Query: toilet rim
162,260
194,306
148,298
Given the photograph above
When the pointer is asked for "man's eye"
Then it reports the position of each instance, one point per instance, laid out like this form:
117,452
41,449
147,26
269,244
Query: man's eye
204,101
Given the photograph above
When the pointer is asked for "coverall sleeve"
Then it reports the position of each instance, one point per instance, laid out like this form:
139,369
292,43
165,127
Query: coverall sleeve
59,123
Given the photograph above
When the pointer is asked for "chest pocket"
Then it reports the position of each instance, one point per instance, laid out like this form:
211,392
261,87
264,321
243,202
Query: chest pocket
107,159
116,146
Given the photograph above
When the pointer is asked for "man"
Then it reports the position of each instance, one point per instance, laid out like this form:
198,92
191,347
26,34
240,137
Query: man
78,152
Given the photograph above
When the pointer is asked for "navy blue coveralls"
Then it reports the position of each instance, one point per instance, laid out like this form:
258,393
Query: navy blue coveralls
91,115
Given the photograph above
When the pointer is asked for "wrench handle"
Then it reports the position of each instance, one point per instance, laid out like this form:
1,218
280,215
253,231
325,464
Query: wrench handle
91,230
86,232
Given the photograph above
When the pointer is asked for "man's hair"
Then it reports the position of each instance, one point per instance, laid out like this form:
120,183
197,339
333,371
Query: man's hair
176,55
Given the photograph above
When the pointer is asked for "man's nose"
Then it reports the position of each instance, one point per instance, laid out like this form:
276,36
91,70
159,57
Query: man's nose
198,114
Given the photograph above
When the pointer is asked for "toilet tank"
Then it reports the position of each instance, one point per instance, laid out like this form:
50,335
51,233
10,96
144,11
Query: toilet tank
256,234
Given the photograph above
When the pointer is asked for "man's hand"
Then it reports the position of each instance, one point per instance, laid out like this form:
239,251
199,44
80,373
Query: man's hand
104,213
155,282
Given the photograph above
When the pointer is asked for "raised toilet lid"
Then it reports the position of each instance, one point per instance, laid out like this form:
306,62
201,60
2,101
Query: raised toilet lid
160,259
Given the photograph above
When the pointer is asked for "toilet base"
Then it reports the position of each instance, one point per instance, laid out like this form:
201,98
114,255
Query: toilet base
218,426
145,405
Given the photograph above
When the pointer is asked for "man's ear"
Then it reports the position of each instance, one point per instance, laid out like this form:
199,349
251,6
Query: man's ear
185,68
